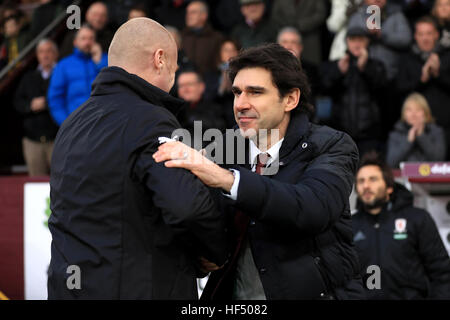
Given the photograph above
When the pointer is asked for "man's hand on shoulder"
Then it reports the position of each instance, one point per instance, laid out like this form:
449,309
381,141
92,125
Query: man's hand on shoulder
178,155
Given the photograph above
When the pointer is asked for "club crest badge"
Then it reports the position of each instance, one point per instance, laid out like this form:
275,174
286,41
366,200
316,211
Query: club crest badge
400,231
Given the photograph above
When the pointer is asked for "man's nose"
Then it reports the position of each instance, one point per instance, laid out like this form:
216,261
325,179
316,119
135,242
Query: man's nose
241,103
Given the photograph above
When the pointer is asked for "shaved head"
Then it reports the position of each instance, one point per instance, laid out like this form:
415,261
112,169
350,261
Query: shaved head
144,47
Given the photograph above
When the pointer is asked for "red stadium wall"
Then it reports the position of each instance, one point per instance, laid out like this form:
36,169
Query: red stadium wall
11,235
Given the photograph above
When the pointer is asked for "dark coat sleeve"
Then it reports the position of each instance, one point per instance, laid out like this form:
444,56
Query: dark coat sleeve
22,101
375,74
185,203
432,144
398,149
409,74
331,76
434,257
443,80
315,201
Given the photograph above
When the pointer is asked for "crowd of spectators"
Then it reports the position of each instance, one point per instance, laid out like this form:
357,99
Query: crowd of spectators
367,74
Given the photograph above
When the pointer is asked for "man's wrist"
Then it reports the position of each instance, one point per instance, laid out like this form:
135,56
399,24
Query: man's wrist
227,181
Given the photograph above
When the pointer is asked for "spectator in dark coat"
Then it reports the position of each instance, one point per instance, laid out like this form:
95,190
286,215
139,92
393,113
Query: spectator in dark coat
44,15
415,136
390,38
401,240
441,13
97,17
191,88
199,40
133,227
227,14
16,33
427,71
171,12
308,16
31,102
355,82
183,61
137,11
256,28
289,38
218,85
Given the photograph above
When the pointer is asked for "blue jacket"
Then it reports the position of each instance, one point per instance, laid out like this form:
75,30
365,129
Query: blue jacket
70,84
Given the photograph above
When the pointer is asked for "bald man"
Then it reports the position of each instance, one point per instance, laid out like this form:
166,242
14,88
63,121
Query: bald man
124,226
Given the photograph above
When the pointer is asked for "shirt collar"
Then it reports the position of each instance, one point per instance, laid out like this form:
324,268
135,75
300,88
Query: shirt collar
273,152
45,74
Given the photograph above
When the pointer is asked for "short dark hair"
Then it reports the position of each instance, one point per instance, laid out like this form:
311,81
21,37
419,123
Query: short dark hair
372,158
286,70
192,70
139,7
427,19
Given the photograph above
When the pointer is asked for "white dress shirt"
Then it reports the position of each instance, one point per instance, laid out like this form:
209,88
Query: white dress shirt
274,152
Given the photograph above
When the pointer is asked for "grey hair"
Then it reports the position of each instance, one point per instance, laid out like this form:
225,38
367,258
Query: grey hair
290,30
47,40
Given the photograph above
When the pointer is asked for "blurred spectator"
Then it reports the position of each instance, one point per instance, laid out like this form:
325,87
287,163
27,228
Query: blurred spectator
31,103
341,11
44,15
97,17
70,84
428,72
354,83
400,239
307,16
191,88
441,12
119,11
414,9
227,14
199,40
291,39
415,137
256,29
218,84
183,61
16,35
172,12
393,36
137,11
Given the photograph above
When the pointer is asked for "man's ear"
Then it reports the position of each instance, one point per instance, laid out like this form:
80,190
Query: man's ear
292,99
202,87
158,59
389,191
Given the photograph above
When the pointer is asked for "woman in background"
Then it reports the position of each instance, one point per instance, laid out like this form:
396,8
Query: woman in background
415,136
218,85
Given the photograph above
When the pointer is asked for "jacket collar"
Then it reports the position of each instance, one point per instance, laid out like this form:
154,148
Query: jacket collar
110,77
78,53
297,129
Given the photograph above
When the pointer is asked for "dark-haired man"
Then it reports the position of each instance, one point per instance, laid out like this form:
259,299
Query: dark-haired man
401,240
288,201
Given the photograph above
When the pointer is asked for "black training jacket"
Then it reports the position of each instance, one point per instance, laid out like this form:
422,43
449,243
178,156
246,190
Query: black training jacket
405,243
